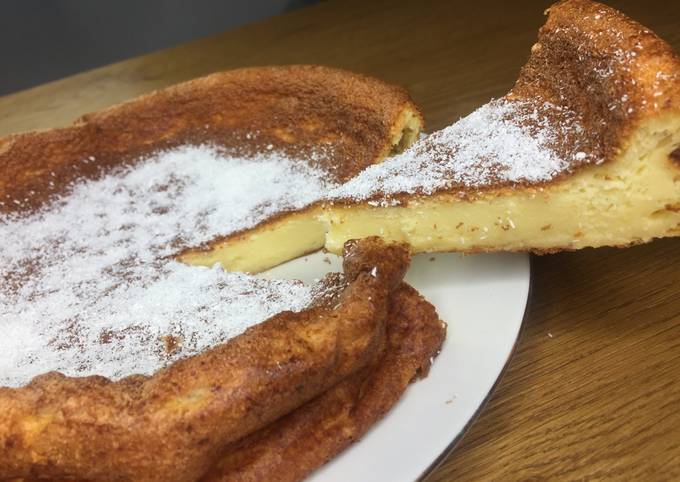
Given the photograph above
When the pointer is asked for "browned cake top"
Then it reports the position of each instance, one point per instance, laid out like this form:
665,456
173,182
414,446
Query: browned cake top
332,119
611,71
92,215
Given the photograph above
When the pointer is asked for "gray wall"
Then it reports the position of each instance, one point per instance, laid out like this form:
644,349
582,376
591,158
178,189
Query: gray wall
43,40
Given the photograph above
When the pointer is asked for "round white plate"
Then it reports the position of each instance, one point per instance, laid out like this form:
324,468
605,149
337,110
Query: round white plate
482,298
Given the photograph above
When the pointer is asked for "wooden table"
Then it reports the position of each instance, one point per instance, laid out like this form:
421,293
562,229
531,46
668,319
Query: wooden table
593,390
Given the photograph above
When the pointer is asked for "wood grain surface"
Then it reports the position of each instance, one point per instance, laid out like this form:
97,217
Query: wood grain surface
593,391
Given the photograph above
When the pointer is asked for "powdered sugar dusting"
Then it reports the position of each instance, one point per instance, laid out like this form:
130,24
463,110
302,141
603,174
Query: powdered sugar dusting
90,286
501,142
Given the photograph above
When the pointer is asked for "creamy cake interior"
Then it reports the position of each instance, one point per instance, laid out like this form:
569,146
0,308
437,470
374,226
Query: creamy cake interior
630,201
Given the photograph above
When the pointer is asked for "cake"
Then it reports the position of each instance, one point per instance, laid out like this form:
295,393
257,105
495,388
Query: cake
121,363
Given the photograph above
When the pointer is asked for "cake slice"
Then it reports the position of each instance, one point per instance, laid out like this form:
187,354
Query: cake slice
584,151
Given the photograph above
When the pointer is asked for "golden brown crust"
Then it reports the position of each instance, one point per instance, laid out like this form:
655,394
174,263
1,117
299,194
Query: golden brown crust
297,444
590,55
173,425
294,109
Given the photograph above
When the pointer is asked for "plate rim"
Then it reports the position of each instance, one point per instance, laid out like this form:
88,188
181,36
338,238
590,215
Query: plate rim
450,448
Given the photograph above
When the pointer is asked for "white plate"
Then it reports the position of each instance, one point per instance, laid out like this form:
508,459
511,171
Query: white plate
482,298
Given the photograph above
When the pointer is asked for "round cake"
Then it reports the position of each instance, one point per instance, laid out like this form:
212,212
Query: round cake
120,361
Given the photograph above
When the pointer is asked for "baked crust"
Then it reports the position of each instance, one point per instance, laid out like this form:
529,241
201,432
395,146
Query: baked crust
298,110
176,423
610,69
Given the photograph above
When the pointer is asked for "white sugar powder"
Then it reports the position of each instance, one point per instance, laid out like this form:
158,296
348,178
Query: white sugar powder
91,288
501,141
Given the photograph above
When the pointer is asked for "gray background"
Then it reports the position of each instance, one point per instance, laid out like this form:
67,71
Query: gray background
43,40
